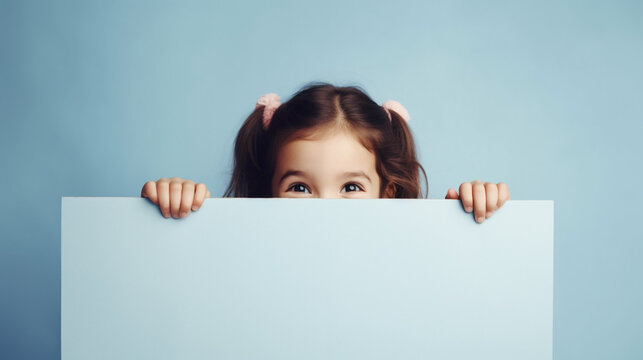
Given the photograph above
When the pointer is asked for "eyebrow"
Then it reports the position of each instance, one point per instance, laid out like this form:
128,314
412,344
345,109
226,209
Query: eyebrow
356,174
304,174
292,173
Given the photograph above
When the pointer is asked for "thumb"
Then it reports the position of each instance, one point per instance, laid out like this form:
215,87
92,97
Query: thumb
452,194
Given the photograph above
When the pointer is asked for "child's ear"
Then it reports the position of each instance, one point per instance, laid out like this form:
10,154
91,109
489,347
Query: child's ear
389,192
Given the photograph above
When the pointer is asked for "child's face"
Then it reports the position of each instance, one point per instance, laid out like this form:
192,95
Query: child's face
333,165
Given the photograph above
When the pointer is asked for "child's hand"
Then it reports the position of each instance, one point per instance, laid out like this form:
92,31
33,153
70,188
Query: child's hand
483,198
175,196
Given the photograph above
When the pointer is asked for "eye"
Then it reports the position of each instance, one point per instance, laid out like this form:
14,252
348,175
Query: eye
351,187
298,187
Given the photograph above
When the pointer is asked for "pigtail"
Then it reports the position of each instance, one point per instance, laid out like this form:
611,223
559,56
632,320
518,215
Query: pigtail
402,167
249,175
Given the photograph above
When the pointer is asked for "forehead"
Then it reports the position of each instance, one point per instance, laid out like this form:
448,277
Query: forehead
329,152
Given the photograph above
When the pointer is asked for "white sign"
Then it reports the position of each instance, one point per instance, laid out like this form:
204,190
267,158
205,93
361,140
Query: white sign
306,279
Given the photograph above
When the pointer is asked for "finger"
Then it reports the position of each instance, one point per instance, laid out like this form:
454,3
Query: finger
187,198
199,196
492,198
175,197
479,201
207,194
163,192
466,196
451,194
149,191
503,194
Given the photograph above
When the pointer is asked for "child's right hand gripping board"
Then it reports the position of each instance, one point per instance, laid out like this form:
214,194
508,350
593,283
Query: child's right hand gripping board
175,197
306,278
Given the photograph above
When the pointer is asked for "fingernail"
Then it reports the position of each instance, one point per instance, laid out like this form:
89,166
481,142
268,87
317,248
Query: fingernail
184,214
489,214
166,215
480,219
194,207
468,209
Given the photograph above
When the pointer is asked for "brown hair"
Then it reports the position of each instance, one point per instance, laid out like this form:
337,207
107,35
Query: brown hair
320,105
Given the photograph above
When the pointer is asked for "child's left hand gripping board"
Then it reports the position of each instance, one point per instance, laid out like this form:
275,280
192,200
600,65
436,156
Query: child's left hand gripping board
483,198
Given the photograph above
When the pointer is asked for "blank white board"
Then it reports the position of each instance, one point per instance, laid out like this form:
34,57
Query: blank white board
306,279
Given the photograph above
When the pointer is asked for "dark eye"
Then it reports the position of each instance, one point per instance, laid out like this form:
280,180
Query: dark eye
352,187
298,188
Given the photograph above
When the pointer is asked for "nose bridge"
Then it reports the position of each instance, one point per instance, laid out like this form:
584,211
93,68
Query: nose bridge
327,194
326,186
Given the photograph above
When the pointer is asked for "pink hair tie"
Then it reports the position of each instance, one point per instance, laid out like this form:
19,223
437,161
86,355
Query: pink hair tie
271,103
398,108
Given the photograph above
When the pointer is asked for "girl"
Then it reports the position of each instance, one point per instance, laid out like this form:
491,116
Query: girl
325,142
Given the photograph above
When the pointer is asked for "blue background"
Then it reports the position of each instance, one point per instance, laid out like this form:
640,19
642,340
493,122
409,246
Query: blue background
98,97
